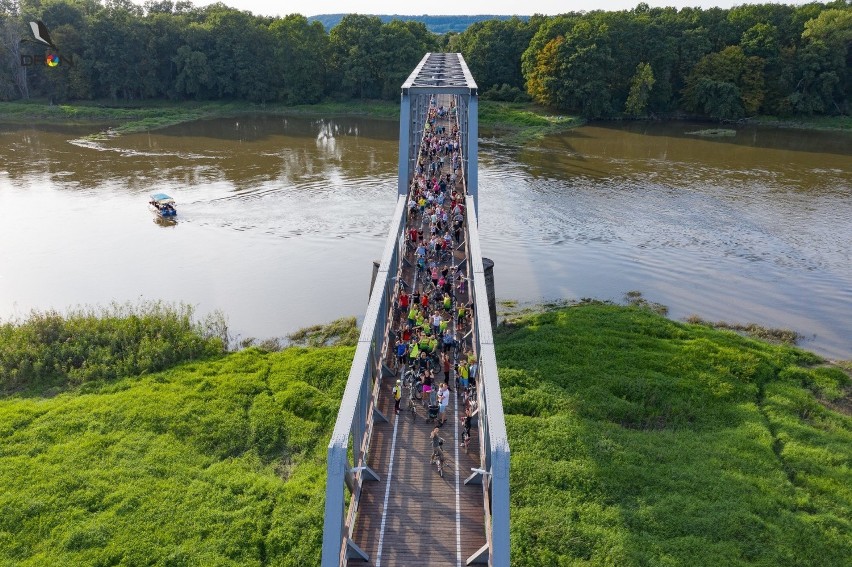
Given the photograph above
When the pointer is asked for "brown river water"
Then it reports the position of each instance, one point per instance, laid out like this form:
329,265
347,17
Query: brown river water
280,218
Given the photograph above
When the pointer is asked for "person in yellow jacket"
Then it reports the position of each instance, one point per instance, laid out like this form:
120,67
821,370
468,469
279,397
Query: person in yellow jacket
397,395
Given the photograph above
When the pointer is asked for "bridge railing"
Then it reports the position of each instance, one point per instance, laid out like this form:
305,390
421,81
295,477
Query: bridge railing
359,406
494,453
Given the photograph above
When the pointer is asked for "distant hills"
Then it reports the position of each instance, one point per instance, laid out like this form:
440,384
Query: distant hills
435,24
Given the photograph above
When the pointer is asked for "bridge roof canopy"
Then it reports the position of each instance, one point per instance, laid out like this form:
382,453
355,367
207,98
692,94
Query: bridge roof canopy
440,73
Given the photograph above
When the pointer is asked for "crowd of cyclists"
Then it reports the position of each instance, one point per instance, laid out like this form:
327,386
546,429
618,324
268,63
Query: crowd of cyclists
433,314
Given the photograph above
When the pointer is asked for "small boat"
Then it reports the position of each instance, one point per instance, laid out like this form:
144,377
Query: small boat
163,205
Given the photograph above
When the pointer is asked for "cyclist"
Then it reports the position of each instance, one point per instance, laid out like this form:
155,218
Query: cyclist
437,442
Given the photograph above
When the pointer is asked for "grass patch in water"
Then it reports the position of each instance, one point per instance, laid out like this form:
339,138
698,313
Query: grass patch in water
713,132
637,440
340,332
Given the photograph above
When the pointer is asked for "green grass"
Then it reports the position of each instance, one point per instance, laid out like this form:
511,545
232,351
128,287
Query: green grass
641,441
636,441
145,116
841,123
220,462
524,121
50,351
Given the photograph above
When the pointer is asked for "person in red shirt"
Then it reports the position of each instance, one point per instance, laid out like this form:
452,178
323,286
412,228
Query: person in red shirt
424,300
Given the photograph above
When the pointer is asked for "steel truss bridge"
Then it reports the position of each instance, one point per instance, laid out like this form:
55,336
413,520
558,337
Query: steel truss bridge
385,503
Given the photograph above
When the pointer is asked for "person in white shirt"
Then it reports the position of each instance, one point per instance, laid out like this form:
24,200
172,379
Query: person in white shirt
443,402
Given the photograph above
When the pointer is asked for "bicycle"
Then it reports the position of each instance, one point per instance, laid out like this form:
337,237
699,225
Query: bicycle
411,402
411,380
466,425
438,459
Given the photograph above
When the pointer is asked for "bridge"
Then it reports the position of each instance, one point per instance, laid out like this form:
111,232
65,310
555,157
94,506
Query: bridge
386,502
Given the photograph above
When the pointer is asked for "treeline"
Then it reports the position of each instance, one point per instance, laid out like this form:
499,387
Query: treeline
725,64
174,50
752,59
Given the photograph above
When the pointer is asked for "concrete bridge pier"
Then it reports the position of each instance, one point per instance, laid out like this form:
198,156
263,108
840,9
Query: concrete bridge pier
488,264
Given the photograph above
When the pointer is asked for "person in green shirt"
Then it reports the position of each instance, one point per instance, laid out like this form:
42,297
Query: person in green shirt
433,344
464,374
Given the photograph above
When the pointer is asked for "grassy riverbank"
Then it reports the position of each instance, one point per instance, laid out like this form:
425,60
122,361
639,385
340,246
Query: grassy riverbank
635,441
218,461
152,115
527,120
518,122
641,441
521,122
830,123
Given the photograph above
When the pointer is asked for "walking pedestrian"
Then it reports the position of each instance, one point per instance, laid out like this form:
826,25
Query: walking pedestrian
443,402
397,395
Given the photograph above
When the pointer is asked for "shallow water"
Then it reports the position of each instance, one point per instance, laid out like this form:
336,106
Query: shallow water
280,219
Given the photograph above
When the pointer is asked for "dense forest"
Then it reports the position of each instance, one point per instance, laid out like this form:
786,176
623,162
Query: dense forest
725,64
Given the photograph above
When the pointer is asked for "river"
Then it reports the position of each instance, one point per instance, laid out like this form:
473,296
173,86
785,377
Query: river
280,218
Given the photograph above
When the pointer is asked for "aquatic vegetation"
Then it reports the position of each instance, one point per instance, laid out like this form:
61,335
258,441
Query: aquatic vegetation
784,336
50,351
713,132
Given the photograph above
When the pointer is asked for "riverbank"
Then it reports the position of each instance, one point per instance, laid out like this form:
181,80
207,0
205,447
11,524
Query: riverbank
146,116
519,122
527,120
658,441
639,440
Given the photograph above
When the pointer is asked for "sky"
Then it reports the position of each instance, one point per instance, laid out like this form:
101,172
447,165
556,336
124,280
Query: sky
468,7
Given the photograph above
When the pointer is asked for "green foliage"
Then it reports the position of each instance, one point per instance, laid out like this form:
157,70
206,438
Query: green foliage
719,63
204,464
637,440
493,51
725,85
344,331
435,24
53,350
640,90
785,60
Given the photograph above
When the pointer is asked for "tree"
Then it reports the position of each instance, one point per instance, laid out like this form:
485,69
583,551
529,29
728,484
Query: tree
354,57
399,47
722,75
823,65
193,72
573,73
301,55
493,49
640,90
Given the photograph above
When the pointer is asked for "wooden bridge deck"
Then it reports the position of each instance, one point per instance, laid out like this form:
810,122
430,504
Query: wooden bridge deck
413,516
